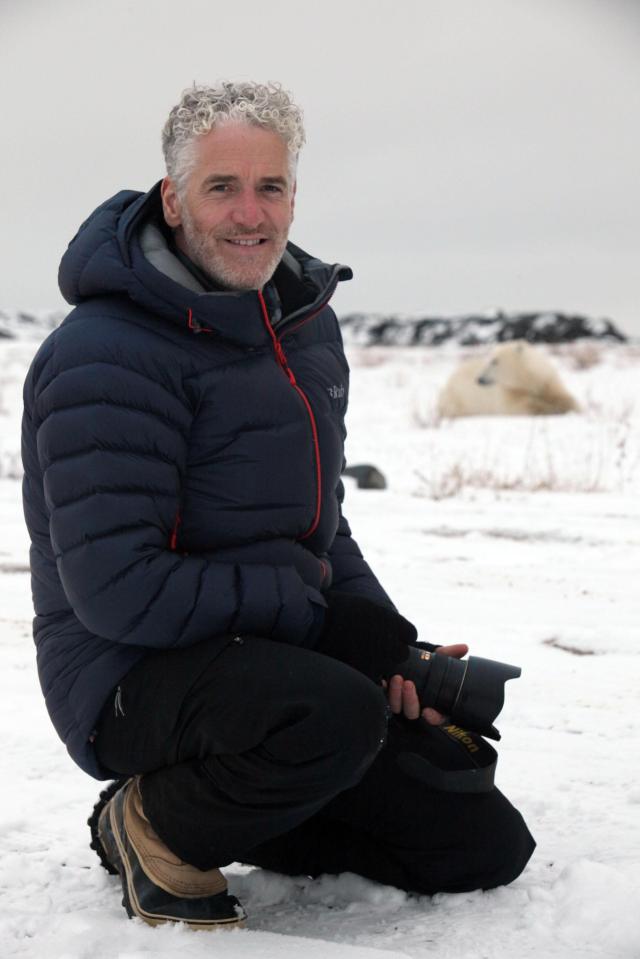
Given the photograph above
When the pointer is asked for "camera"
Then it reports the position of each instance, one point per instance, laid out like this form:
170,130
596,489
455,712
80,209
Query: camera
468,691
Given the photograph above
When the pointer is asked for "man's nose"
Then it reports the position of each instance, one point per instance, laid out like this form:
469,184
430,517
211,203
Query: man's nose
247,211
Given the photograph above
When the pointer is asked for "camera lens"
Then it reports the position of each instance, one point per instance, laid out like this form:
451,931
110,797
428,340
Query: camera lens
469,691
443,682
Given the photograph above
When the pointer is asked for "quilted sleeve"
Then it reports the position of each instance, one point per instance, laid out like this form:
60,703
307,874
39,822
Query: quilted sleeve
112,447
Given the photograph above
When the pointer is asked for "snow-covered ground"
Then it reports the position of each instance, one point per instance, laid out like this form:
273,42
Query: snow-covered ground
518,536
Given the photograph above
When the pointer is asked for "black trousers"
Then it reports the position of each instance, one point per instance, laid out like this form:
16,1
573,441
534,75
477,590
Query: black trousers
281,757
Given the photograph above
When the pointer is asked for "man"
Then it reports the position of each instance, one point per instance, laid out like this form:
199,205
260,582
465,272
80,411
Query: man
207,629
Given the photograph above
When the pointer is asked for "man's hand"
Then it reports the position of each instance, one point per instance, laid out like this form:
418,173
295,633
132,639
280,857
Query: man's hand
402,692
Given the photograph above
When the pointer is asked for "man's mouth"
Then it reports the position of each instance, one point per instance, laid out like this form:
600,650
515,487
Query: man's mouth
238,242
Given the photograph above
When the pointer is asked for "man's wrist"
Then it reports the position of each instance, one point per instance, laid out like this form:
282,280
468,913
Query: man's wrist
363,634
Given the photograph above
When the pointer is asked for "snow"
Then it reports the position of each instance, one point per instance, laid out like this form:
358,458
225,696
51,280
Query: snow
519,536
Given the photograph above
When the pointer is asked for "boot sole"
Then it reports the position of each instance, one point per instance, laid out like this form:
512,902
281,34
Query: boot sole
96,842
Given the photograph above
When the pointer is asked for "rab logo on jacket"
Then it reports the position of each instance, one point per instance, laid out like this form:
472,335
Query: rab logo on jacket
336,392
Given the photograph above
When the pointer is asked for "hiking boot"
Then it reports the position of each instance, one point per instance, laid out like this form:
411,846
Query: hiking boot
158,887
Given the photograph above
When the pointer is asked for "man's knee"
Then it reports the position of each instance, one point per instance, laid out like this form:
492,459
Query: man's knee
353,715
499,844
514,844
312,710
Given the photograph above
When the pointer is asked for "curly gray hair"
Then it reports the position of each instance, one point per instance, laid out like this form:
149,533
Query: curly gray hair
201,108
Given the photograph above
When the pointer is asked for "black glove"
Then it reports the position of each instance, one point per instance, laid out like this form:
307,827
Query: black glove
372,639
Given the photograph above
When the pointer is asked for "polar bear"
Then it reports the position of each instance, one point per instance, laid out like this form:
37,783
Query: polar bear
516,379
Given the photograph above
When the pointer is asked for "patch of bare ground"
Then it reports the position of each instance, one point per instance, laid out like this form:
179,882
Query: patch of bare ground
555,643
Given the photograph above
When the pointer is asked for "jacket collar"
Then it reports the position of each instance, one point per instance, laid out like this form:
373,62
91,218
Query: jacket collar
304,284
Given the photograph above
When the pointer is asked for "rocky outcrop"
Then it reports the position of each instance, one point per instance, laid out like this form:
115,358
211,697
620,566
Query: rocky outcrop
369,329
18,324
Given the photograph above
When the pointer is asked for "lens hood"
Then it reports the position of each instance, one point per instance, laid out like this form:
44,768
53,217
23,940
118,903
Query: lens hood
481,694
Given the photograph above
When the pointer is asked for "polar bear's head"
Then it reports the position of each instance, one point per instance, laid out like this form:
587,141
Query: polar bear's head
517,366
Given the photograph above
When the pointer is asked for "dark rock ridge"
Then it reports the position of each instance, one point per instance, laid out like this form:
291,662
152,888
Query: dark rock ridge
375,329
18,324
369,329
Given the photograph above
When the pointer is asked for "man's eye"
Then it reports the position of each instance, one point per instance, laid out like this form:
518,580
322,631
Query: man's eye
272,188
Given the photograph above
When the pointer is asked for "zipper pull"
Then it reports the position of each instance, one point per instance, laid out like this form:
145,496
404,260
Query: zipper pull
117,703
282,359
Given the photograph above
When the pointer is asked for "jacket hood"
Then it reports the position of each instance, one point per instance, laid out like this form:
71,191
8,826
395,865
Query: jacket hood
120,250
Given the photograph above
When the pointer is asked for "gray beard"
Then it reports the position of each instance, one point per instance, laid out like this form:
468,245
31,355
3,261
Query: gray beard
219,273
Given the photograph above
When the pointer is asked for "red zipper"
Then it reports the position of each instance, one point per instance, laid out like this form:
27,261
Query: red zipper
173,541
282,360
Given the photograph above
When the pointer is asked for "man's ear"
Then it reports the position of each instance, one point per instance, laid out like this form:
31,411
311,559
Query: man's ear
170,203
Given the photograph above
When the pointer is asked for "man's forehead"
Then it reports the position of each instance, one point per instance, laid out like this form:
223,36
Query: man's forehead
241,141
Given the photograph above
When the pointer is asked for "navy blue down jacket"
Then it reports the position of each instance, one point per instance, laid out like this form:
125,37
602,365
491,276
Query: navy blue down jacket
182,455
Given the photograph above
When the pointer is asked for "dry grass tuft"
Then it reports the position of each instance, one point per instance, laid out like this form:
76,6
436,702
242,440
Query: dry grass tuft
584,354
608,461
368,356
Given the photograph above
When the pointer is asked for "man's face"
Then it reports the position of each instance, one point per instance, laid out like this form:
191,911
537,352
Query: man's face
233,215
